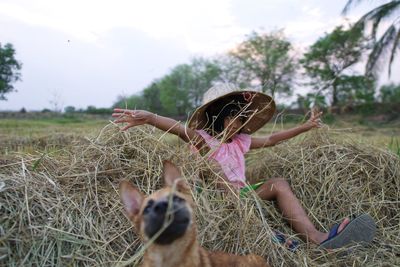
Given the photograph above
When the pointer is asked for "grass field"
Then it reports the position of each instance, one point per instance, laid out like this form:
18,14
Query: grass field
24,135
40,127
382,135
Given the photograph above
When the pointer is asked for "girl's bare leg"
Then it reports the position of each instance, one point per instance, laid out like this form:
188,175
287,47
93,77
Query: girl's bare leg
279,190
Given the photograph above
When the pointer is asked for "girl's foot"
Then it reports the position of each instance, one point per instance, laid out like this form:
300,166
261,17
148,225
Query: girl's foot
289,244
360,230
342,225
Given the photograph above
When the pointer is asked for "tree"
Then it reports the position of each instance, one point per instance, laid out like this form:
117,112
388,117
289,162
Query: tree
69,109
9,70
390,39
151,98
204,73
181,90
101,111
174,91
330,56
130,102
390,93
233,71
355,90
309,100
266,60
56,101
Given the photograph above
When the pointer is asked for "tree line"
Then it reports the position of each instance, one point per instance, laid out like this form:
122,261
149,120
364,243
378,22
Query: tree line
270,63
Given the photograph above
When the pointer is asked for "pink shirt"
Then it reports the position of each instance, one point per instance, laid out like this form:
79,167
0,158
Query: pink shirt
230,155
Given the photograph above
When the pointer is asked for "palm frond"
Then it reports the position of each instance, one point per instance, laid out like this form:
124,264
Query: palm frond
379,50
349,4
378,14
395,48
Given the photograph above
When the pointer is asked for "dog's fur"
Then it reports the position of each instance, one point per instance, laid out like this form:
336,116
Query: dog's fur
173,243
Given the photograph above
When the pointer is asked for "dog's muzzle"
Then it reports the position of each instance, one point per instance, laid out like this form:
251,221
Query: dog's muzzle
168,219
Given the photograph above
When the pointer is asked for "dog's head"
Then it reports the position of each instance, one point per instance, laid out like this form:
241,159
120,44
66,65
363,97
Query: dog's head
165,215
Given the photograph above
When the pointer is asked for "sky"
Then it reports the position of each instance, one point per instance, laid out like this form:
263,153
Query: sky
89,52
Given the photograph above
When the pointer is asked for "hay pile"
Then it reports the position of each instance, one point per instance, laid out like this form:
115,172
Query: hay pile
63,209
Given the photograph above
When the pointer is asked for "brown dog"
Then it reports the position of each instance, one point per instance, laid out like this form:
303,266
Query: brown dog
165,218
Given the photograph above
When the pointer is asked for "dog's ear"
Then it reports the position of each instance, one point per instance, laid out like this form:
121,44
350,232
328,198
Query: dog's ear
131,198
172,176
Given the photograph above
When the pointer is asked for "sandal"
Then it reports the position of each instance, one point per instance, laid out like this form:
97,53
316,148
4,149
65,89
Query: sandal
359,230
281,239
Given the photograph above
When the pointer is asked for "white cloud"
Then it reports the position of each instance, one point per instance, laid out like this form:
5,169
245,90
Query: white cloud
192,22
312,11
313,24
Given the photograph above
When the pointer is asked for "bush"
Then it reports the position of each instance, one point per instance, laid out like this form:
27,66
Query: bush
99,111
390,93
70,109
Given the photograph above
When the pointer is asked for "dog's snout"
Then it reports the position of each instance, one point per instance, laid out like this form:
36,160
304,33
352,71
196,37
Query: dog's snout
161,207
170,214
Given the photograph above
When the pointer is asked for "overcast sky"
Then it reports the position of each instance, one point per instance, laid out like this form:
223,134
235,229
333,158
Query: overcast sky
87,52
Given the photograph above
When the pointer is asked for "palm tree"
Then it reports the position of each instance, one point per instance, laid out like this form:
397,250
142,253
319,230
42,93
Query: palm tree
390,39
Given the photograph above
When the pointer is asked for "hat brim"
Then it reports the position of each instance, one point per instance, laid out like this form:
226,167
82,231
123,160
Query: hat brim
260,110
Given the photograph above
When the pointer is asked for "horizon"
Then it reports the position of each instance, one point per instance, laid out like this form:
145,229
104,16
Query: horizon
88,54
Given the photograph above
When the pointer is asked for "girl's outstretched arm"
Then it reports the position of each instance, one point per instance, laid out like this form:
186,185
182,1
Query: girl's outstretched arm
139,117
276,138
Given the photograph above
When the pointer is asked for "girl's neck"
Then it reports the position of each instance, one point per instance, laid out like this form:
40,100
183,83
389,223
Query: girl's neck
225,139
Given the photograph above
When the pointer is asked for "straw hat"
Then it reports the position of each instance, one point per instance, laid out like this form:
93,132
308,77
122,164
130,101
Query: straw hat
259,107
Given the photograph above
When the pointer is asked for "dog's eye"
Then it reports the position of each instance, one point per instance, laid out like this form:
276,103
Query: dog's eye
175,198
148,206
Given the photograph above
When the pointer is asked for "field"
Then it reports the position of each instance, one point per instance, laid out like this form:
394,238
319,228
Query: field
23,135
60,206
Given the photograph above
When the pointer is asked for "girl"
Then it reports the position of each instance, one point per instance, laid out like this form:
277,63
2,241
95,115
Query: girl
221,127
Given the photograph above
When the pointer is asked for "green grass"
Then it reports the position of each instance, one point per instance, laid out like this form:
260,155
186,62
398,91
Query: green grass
25,132
25,127
44,135
382,135
394,145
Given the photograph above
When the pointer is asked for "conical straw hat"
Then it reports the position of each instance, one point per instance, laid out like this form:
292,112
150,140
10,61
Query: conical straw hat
259,107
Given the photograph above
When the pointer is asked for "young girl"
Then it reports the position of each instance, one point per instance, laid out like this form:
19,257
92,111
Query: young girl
221,128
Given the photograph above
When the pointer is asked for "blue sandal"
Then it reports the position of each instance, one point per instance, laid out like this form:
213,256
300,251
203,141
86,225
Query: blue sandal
281,239
359,230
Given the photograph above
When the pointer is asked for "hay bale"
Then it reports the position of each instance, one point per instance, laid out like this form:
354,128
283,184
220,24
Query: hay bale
63,209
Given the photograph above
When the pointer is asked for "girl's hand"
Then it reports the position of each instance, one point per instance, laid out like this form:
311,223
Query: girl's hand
315,120
131,117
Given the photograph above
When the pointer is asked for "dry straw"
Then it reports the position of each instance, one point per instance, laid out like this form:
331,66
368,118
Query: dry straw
63,208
